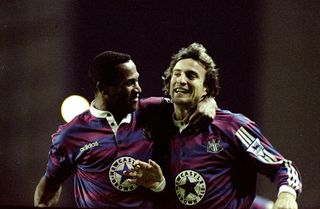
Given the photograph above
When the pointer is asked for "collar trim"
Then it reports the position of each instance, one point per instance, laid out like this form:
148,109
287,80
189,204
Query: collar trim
106,114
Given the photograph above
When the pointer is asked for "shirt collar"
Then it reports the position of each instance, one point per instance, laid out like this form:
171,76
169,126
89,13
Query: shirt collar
106,114
181,124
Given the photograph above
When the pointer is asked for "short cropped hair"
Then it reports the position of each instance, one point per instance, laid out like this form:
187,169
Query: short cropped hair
198,53
102,68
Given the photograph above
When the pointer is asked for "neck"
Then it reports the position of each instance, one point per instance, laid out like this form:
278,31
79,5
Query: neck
101,104
181,113
118,116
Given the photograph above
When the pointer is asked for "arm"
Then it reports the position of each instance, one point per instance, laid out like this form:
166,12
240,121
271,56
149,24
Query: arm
59,167
206,111
272,164
47,193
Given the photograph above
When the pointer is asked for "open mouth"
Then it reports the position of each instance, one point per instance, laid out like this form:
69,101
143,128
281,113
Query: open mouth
135,98
181,90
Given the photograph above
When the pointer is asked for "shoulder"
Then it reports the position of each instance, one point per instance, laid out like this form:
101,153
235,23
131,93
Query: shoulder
226,116
71,128
82,118
153,101
227,120
154,105
235,124
154,111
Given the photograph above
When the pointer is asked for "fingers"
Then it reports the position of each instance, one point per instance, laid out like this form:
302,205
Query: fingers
208,107
205,112
156,167
153,164
132,181
147,174
141,165
138,169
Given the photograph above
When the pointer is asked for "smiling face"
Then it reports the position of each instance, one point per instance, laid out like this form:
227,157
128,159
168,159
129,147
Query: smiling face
187,83
125,94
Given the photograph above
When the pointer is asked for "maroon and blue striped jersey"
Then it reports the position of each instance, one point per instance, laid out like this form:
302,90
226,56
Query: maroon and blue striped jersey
215,166
96,151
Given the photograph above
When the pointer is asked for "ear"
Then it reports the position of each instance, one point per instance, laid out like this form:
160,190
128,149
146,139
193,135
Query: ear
101,88
205,92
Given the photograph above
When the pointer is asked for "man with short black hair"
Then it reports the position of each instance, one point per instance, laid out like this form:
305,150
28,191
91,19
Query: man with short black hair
99,145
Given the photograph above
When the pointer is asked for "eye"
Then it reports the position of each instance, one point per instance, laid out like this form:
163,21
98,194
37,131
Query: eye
192,75
131,82
176,73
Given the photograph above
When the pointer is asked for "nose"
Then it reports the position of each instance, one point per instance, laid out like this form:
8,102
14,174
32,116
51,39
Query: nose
137,87
182,79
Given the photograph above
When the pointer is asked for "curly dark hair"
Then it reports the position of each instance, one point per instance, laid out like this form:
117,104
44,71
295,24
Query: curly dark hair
198,53
102,68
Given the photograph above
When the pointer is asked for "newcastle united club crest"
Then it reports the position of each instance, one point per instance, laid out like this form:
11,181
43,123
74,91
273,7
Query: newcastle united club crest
117,179
190,187
214,146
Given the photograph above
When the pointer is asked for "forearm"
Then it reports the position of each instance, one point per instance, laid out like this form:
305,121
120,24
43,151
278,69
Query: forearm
47,194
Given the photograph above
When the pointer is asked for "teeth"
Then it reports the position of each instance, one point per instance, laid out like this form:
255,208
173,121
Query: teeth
135,99
181,90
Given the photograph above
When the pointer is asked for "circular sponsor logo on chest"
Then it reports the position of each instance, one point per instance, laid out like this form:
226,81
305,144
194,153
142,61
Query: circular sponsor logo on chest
190,187
116,177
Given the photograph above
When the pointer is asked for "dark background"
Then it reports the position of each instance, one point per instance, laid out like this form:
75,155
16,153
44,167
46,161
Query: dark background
267,52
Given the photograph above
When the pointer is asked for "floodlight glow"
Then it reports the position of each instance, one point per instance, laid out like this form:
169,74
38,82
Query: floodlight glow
73,106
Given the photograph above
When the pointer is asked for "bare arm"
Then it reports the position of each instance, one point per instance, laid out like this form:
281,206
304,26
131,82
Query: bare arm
285,201
47,193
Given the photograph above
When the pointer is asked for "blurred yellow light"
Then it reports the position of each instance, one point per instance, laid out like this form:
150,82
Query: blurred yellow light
73,106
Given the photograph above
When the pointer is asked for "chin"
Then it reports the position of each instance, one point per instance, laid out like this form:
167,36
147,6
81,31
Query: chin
133,106
180,101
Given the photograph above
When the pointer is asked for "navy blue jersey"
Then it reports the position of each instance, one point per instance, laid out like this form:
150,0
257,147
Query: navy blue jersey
215,166
97,150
